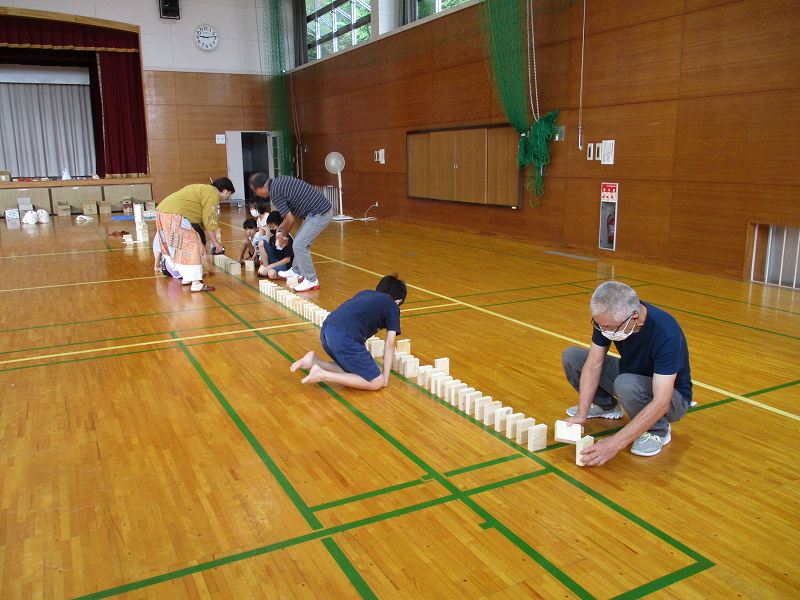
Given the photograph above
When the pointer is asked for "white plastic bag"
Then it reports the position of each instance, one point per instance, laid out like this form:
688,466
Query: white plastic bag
30,218
44,216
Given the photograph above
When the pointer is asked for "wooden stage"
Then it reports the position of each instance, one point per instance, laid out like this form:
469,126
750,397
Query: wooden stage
155,445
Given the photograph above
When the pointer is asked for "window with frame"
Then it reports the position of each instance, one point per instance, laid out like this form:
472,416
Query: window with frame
426,8
334,25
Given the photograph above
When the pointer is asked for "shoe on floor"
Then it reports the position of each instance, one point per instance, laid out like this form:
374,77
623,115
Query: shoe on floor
649,444
595,412
288,273
307,285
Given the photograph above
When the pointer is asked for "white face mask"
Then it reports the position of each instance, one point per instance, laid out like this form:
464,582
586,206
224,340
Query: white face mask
253,212
619,335
615,336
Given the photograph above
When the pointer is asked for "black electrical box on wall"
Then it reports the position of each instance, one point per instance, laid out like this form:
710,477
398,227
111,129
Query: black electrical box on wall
169,9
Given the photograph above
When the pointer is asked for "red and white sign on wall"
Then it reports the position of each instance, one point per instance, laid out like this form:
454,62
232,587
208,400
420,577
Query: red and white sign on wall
609,192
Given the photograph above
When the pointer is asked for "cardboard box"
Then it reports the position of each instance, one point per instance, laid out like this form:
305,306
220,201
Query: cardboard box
104,208
12,213
149,205
89,209
24,205
63,210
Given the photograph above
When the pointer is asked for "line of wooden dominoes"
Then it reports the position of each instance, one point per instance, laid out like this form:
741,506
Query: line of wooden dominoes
293,302
227,264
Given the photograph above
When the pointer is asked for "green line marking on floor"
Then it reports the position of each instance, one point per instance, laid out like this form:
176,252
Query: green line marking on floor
366,495
482,465
348,569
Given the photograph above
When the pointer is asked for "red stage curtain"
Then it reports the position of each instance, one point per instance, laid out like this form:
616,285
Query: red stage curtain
42,33
123,113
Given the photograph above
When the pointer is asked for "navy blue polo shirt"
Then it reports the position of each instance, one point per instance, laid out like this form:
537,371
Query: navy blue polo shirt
657,348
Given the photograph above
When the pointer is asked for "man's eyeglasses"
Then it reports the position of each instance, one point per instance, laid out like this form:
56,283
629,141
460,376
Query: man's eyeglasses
622,325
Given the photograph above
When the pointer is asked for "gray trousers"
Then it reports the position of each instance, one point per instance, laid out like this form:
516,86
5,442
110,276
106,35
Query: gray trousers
634,392
308,232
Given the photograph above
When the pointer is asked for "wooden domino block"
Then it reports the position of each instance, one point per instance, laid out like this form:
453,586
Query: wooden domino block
263,287
511,425
537,437
233,268
323,316
249,265
522,430
377,349
423,372
431,373
470,399
500,417
403,346
369,340
489,411
568,433
397,359
480,404
292,281
451,390
409,367
438,385
433,379
461,396
442,363
580,446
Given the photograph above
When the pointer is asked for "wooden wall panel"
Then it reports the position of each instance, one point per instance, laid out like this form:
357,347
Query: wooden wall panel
208,89
469,84
650,73
616,14
418,159
203,122
645,141
746,138
470,165
165,157
162,122
643,217
747,47
502,186
159,87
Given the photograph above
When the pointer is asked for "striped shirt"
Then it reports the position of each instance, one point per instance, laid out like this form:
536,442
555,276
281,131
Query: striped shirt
289,194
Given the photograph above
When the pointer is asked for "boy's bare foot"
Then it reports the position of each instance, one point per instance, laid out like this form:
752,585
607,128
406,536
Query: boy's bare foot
314,374
304,363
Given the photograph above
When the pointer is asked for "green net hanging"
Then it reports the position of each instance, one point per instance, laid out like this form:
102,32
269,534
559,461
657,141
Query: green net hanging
276,81
506,42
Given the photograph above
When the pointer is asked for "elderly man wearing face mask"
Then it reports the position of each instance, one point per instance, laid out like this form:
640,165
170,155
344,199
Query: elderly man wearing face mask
651,380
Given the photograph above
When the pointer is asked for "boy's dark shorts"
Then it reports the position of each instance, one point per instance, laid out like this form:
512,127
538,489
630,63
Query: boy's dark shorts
349,354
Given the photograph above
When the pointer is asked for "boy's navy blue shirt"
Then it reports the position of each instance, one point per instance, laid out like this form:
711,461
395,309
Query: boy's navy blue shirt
657,348
284,252
365,314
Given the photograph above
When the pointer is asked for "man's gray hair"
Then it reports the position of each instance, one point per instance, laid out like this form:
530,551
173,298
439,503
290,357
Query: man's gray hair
615,298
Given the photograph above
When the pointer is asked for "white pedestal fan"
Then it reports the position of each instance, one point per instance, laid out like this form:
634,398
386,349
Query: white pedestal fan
334,163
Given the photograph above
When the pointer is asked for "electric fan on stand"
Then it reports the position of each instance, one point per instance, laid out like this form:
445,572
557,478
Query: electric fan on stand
334,163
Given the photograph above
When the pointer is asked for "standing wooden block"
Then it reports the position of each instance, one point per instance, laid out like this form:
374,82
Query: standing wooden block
403,346
438,386
461,396
580,446
377,349
522,430
249,265
234,268
431,373
569,433
470,399
292,281
423,372
500,416
442,363
263,287
397,359
451,390
489,411
410,367
322,316
537,437
480,405
367,343
511,425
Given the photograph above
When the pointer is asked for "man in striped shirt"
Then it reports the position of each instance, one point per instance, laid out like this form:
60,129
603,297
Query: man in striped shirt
296,199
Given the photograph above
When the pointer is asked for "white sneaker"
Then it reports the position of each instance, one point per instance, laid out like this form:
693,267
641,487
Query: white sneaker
307,285
288,273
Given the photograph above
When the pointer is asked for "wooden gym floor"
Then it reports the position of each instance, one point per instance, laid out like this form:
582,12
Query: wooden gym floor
155,445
